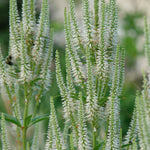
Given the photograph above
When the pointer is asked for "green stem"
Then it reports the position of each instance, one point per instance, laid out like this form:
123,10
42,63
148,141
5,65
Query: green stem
24,128
24,138
96,7
19,138
35,110
10,97
94,135
37,101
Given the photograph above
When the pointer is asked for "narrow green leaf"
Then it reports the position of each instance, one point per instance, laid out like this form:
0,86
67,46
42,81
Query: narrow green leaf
126,145
11,119
38,119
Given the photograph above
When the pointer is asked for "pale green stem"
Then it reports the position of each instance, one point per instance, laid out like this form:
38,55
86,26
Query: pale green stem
94,135
19,137
24,128
37,102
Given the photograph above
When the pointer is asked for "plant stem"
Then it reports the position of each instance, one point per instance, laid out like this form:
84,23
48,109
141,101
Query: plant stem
19,138
24,138
24,125
24,129
94,138
36,107
96,7
37,102
94,135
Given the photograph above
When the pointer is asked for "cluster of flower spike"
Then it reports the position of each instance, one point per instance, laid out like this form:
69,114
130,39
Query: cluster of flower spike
27,67
31,42
30,47
96,66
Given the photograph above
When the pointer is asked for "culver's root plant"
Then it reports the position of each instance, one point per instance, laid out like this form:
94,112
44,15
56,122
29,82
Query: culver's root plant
25,73
90,92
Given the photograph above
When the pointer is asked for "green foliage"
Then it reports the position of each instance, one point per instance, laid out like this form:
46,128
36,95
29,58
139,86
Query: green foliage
139,133
90,91
11,119
132,33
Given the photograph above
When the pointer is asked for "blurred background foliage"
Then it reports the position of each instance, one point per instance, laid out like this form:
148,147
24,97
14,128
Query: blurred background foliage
131,33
